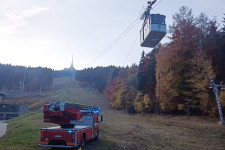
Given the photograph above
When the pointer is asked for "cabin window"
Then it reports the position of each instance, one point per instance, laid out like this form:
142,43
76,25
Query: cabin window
154,19
162,20
158,19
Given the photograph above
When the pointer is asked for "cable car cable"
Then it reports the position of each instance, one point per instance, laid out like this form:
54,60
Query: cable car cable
115,41
157,3
155,11
124,34
131,49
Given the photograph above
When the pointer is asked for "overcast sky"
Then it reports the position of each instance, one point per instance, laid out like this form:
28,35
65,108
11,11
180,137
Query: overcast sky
47,33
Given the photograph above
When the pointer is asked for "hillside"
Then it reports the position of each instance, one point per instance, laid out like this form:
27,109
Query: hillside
119,130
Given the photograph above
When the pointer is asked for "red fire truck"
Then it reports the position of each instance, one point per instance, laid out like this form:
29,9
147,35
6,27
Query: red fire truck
78,124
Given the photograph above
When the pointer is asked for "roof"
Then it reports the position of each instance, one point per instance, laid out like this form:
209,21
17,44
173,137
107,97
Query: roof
3,94
9,108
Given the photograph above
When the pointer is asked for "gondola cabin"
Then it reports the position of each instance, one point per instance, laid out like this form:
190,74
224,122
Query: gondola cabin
153,30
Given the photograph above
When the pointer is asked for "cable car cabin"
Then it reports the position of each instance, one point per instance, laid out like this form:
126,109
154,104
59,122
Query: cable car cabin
153,30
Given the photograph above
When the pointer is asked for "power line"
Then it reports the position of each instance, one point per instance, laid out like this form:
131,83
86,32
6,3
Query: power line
131,49
157,3
116,40
155,11
155,6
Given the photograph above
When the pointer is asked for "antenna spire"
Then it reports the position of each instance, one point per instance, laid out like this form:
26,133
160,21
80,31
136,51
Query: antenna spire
72,67
72,60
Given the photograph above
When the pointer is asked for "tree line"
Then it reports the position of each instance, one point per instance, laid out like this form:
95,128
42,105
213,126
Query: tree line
173,77
12,78
97,77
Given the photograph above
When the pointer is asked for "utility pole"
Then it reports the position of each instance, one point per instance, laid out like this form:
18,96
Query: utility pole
156,106
131,105
216,91
20,88
41,83
24,75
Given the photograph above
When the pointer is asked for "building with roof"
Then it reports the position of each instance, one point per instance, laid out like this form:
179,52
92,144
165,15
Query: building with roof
9,111
2,96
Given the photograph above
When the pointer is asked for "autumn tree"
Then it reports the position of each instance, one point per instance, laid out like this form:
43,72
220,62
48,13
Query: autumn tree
176,73
163,77
139,104
130,96
141,75
121,91
150,74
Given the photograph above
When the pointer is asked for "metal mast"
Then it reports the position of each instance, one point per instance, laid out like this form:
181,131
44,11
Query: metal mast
216,91
146,14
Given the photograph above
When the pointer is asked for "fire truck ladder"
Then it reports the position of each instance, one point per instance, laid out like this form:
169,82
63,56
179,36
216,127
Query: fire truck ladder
63,113
61,106
216,91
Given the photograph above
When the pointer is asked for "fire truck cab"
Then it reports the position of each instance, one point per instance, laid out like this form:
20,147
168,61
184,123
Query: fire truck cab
77,125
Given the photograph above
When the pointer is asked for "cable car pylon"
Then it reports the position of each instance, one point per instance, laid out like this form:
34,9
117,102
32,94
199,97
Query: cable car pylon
216,91
153,28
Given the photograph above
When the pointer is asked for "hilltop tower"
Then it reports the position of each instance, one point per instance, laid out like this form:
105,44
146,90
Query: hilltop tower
71,66
71,69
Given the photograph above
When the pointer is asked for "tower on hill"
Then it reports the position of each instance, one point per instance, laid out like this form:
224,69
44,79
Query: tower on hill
71,71
71,66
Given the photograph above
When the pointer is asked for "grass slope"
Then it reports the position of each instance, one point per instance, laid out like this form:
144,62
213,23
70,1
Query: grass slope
23,132
120,131
156,132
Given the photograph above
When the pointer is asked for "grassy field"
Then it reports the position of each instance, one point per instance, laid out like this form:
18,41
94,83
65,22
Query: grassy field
119,131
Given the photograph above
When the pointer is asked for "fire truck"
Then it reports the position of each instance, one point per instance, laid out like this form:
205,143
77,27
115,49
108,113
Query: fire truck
77,124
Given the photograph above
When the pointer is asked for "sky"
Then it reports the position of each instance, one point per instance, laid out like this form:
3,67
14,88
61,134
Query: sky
48,33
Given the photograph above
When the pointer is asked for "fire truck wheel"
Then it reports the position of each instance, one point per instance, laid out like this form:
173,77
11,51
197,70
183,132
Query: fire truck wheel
83,141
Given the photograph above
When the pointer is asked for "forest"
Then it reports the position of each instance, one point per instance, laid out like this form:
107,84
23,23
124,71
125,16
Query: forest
12,78
173,78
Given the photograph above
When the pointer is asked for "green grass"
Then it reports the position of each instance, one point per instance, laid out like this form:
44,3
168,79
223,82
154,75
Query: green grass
23,131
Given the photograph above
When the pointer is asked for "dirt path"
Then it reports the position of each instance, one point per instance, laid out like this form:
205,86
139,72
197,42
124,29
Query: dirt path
3,128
